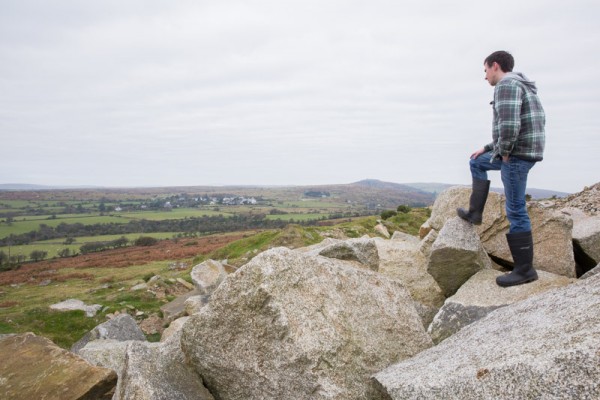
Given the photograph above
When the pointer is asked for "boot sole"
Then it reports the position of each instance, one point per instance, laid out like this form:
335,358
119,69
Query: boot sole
517,283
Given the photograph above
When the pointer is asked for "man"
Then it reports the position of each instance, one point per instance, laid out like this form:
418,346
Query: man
518,143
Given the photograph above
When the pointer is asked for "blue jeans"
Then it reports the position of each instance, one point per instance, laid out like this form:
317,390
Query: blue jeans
514,177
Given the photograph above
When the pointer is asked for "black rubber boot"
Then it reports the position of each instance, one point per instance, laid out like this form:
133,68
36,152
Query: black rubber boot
479,195
521,248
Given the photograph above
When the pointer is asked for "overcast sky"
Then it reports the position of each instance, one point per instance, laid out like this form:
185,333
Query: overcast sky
164,93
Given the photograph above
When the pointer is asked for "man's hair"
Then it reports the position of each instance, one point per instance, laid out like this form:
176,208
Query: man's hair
504,59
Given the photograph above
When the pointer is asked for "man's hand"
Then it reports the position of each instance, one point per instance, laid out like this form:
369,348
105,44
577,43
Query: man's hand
505,158
477,153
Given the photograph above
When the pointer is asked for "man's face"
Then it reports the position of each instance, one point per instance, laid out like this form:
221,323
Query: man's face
491,73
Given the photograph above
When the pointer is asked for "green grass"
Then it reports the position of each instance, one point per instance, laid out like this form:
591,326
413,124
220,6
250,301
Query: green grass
106,238
176,213
32,313
19,204
246,246
28,223
297,217
310,203
32,223
240,251
53,246
408,222
63,328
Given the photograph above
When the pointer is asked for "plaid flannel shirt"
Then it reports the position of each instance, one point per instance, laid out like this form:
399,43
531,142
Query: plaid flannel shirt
519,119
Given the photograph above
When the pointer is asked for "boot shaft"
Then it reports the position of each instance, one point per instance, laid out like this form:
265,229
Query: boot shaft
521,248
479,194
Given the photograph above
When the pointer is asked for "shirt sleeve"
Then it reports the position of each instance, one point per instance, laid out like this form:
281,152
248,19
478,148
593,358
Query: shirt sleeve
507,100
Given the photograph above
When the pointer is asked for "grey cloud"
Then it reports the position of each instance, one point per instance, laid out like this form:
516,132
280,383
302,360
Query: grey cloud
311,92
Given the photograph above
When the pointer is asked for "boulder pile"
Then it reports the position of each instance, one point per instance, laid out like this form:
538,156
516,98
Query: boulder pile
378,318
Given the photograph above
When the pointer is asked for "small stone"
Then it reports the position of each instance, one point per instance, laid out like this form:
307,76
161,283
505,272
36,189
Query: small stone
185,283
140,286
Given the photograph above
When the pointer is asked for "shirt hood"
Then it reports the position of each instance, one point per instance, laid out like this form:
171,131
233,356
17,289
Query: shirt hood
519,76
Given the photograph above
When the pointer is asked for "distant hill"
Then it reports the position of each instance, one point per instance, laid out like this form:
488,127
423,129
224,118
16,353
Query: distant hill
538,194
23,186
440,187
376,193
374,183
430,187
27,186
371,193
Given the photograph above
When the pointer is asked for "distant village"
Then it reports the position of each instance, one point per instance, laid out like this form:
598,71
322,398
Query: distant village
181,201
185,201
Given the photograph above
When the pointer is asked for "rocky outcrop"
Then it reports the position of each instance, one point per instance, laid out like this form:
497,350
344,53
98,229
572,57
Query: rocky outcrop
552,241
405,237
403,261
33,367
122,327
74,304
156,371
207,276
290,325
426,243
362,251
544,347
176,308
480,295
316,248
107,353
591,272
445,205
382,230
194,304
588,200
456,255
174,328
148,371
586,235
553,248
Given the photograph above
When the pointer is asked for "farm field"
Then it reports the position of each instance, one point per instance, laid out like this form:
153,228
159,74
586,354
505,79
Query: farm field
55,223
107,277
53,246
100,278
30,223
178,213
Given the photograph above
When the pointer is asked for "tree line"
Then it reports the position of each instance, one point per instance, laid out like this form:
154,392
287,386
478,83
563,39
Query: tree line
202,225
8,262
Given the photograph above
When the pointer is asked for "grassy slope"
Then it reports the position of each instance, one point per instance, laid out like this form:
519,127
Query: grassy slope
24,308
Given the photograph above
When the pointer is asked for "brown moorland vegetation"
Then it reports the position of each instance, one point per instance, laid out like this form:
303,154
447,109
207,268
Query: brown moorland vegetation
34,273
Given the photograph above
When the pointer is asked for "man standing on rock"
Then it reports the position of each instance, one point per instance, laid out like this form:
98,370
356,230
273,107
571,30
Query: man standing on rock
518,143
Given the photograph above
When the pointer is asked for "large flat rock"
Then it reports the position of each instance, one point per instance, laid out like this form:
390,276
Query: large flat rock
33,367
552,230
586,235
291,325
480,295
403,261
456,255
544,347
148,371
122,327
